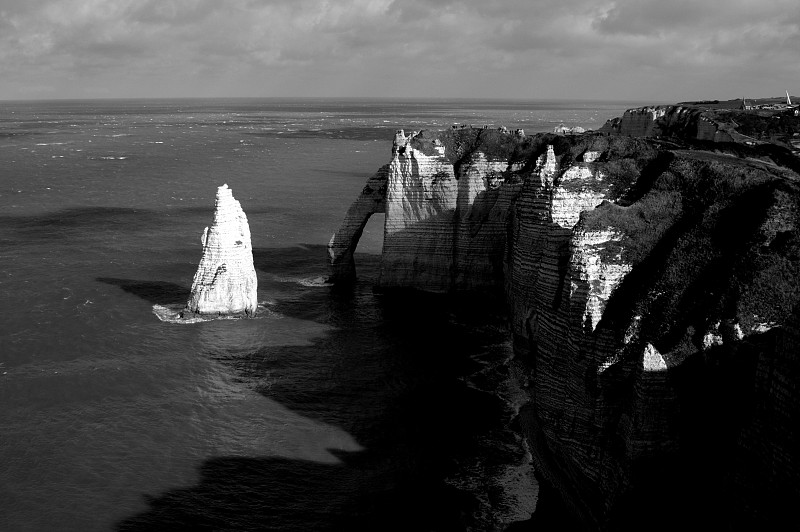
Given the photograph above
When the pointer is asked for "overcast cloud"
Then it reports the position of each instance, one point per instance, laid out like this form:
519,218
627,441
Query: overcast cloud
658,50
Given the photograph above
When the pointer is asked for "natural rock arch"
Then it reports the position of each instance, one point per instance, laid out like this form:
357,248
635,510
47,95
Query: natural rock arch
343,243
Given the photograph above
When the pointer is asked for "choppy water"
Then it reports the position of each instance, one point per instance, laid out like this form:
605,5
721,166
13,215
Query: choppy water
334,409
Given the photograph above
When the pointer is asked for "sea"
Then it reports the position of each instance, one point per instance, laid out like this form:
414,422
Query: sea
335,408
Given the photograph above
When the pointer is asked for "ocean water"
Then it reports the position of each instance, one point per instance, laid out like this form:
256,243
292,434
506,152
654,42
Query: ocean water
332,409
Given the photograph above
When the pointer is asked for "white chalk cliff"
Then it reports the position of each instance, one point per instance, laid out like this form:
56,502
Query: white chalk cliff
652,292
446,210
225,282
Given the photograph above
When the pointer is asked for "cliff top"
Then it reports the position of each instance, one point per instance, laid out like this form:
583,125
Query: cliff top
737,103
759,122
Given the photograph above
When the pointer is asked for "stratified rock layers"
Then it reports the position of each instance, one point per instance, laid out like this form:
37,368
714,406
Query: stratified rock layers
613,291
670,120
654,294
225,282
629,402
421,198
445,224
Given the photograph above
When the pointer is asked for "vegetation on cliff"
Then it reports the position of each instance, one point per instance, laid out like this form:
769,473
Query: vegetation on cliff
763,126
653,284
712,232
701,239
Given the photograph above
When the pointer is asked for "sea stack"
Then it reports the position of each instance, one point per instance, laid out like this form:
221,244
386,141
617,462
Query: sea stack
225,282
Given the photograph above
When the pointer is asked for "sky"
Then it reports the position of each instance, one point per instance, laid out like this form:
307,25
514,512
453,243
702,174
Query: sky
643,50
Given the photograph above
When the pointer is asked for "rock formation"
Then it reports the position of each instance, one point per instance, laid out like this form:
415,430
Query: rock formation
631,400
446,198
671,120
654,294
225,282
343,243
561,129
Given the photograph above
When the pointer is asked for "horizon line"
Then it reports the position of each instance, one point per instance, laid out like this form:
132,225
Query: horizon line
374,98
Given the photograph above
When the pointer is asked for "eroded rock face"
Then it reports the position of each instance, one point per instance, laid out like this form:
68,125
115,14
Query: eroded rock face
669,120
633,315
225,282
654,295
421,197
446,212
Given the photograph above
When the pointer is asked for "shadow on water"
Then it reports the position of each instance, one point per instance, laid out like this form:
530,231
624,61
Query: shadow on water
347,133
156,292
390,373
299,259
287,495
76,220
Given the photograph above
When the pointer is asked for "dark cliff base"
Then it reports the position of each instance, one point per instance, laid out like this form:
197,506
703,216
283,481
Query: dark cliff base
691,488
551,513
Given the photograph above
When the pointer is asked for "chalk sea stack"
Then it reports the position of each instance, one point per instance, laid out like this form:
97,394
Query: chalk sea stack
225,282
652,276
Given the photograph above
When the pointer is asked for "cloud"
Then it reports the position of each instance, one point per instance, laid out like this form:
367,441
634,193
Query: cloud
520,48
707,31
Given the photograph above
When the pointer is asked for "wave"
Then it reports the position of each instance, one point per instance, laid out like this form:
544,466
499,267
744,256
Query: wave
174,314
309,282
312,282
501,474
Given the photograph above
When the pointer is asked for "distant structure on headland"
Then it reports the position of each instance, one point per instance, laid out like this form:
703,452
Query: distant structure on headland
561,129
772,105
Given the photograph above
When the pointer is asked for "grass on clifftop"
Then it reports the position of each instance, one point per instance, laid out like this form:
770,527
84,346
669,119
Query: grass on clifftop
711,239
762,126
461,143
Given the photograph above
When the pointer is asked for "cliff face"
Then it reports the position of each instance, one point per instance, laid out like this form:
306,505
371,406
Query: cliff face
225,282
635,393
669,121
653,294
446,202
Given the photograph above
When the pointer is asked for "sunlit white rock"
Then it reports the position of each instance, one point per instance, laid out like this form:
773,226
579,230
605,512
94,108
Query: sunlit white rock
653,361
225,282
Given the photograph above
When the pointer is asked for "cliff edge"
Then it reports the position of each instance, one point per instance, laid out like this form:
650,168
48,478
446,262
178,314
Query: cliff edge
653,289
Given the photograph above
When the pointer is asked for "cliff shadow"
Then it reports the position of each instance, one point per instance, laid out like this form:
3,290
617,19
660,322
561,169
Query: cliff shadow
246,493
713,386
156,292
73,222
301,259
300,263
426,254
388,371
